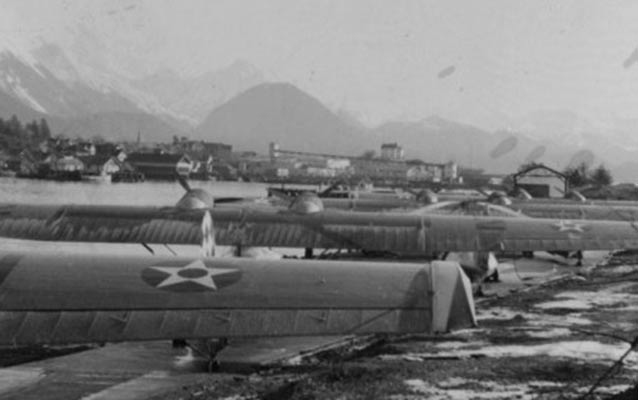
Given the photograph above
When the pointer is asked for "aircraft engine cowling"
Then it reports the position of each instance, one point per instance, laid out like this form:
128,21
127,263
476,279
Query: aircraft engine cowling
427,196
499,198
306,203
195,199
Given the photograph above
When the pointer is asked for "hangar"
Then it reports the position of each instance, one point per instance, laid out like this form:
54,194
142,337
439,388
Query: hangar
541,181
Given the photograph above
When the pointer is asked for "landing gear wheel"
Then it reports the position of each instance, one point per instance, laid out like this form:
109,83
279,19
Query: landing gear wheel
210,349
495,277
579,257
213,366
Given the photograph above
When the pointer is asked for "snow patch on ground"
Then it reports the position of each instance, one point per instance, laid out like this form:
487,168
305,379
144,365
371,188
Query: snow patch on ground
619,270
550,333
185,359
572,304
453,345
500,313
459,388
583,350
587,300
608,390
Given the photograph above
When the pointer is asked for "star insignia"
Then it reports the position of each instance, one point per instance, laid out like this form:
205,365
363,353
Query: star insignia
193,277
570,227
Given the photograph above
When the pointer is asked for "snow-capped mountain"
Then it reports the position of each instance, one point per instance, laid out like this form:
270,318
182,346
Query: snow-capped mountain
41,79
91,97
38,88
192,99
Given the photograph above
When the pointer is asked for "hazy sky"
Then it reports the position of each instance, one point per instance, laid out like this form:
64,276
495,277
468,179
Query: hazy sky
379,60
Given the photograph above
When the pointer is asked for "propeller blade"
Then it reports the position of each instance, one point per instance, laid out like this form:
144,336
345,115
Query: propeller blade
182,181
330,188
208,236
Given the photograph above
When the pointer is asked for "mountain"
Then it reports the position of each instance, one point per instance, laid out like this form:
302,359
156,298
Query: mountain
87,97
56,91
194,98
119,126
280,112
90,96
38,88
439,140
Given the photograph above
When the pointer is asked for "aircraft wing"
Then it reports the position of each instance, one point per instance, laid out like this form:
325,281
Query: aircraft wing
578,211
270,227
53,298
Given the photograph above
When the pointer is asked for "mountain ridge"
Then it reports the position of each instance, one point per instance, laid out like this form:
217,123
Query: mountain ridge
236,105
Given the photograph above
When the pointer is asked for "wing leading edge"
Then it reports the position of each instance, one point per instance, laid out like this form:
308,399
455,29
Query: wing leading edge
54,299
392,232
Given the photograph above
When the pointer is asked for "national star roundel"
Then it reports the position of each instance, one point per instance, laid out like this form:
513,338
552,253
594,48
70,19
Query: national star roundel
193,277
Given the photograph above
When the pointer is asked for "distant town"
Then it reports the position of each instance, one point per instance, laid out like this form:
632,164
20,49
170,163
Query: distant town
31,151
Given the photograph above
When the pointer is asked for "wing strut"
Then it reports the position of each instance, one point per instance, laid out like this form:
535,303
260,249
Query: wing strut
147,247
169,249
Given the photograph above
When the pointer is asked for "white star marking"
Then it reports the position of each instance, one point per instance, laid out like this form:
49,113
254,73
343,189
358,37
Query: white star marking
569,226
195,272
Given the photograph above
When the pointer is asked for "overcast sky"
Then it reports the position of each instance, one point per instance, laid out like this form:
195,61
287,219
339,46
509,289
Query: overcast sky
476,61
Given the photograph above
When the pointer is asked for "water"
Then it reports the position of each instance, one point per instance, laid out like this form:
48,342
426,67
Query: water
33,191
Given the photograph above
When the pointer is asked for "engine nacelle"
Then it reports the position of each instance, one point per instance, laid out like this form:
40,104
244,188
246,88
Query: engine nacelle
499,198
426,196
306,203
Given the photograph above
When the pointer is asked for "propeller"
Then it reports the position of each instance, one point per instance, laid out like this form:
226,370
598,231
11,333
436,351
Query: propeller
194,199
208,236
499,198
330,188
425,196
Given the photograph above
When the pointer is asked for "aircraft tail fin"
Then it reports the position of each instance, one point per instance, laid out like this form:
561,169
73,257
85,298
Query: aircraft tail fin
208,236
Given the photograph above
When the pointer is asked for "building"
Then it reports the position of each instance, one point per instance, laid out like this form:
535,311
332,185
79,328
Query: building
202,167
391,151
422,173
388,169
161,166
219,151
541,181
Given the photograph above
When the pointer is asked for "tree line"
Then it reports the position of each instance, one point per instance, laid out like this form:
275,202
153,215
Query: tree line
16,136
